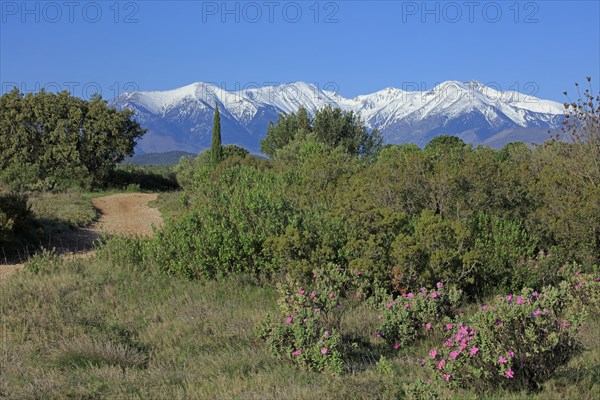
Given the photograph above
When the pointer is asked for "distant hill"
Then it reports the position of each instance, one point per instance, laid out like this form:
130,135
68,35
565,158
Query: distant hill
168,158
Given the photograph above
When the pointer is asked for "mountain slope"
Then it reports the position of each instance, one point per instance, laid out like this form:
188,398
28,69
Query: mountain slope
181,119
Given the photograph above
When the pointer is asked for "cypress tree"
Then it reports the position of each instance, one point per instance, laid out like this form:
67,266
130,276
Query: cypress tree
216,151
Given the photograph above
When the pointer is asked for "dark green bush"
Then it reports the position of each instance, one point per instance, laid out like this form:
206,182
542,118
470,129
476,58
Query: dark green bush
15,220
226,229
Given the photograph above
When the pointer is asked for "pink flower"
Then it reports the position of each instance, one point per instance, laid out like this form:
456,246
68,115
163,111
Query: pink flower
297,353
536,313
473,350
484,307
565,324
410,295
502,360
359,273
314,293
324,350
447,377
433,353
396,346
377,334
509,373
314,276
331,295
441,364
289,320
509,298
511,353
448,326
301,291
406,305
440,285
428,326
520,300
454,354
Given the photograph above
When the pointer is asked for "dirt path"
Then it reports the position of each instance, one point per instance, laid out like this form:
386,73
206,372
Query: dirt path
127,214
120,214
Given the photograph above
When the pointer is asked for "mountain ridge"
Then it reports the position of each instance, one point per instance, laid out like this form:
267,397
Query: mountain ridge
181,118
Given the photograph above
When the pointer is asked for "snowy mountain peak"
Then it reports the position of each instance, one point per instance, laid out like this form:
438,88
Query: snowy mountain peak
471,110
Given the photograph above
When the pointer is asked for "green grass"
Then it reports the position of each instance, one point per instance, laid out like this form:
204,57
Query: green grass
170,204
90,329
64,210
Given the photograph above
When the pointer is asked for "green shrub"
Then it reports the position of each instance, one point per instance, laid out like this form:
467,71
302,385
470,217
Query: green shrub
420,390
432,252
224,233
15,220
45,262
499,244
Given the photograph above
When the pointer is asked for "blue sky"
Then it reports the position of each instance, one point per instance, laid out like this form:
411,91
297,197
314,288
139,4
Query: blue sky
355,47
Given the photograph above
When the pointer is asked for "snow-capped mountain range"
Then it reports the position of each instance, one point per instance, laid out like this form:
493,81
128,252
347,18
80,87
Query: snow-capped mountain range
181,119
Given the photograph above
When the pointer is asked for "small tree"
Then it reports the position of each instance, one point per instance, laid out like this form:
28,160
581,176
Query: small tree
216,151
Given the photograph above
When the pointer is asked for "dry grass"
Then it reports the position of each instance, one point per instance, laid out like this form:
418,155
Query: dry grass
88,329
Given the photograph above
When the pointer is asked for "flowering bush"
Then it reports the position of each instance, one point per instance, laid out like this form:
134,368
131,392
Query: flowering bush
583,287
307,330
517,342
412,315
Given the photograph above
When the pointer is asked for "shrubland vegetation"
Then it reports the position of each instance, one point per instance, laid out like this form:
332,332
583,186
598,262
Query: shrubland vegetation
340,268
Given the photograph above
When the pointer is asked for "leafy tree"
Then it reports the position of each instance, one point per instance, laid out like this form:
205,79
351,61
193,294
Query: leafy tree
61,141
289,127
445,143
216,151
338,128
331,126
